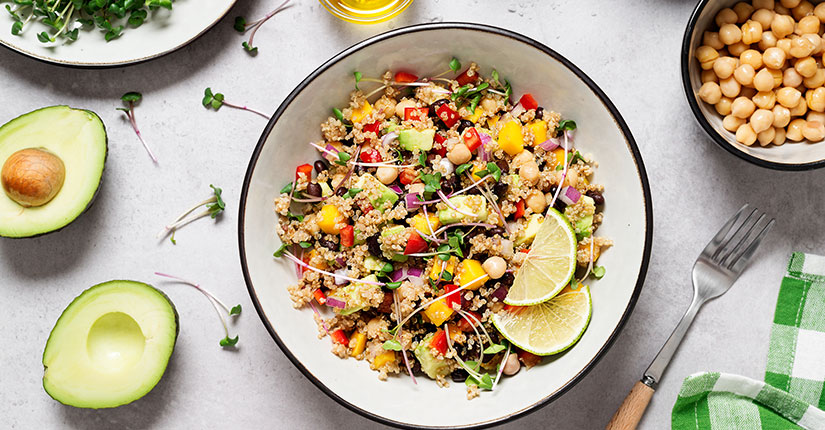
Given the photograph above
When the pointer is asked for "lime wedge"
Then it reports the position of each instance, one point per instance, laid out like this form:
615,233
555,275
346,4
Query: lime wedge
550,327
549,265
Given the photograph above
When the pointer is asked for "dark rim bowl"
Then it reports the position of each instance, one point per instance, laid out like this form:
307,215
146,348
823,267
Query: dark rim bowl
723,138
620,123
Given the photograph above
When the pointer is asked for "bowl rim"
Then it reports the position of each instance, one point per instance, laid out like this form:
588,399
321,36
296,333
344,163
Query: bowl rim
703,121
632,147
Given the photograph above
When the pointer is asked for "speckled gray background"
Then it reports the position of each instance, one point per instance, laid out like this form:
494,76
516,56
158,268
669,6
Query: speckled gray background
630,48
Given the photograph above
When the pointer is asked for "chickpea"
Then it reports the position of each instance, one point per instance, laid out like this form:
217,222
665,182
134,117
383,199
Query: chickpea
742,107
705,54
781,116
802,10
723,106
766,137
726,16
772,57
460,154
808,24
403,104
805,66
743,11
761,120
815,99
815,40
814,131
529,171
730,34
785,45
737,49
788,97
731,123
763,81
535,200
779,138
743,74
764,17
768,40
711,38
752,57
791,78
801,47
745,135
815,116
762,100
724,67
782,25
800,109
495,266
794,131
572,178
386,174
512,366
729,87
777,77
819,12
790,4
709,76
752,31
779,9
522,157
815,81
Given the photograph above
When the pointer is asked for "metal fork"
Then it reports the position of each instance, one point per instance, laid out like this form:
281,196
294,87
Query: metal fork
715,271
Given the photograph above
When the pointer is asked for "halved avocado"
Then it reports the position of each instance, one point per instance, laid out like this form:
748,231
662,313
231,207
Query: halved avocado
52,163
110,346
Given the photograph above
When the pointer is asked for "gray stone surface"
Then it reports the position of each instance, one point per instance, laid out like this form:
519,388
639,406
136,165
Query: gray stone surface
630,48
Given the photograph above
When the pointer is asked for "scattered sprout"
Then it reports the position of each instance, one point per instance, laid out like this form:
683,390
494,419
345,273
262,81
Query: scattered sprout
241,26
214,207
216,100
131,99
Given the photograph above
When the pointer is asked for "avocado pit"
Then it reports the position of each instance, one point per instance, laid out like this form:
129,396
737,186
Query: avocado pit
32,177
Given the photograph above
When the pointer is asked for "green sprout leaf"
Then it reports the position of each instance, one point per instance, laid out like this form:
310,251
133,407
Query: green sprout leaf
304,245
598,272
280,251
566,124
393,285
494,349
455,65
249,48
131,97
392,345
236,310
229,342
357,79
387,268
338,114
287,188
494,170
299,218
462,168
240,24
218,206
352,192
343,157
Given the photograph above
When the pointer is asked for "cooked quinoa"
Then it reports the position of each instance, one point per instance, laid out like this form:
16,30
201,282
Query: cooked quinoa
416,193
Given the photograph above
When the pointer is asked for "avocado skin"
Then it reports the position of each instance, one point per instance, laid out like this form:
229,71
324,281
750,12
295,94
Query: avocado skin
174,343
102,173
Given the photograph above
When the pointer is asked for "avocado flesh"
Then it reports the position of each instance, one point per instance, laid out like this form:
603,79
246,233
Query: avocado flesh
430,365
78,138
110,346
415,139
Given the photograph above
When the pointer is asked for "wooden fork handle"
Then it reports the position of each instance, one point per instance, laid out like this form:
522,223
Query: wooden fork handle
629,414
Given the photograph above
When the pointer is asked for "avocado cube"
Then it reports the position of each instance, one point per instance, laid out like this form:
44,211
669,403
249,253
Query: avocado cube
415,139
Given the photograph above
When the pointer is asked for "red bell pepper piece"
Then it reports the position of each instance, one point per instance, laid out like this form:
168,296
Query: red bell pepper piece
442,149
452,299
415,114
340,337
370,155
439,342
529,359
408,176
447,115
519,209
471,138
415,244
466,78
405,78
348,236
465,325
320,297
375,127
306,169
528,102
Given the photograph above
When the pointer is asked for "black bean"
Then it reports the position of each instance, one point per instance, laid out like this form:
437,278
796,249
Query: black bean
494,336
459,375
449,185
496,231
415,366
326,243
374,245
504,166
539,112
359,169
464,124
314,189
500,189
465,303
341,191
597,197
507,279
559,205
320,166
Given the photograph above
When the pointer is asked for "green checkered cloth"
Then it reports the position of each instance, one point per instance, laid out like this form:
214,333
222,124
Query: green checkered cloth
793,394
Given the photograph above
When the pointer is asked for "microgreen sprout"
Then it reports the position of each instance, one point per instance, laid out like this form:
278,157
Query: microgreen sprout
214,206
216,100
242,27
217,304
131,99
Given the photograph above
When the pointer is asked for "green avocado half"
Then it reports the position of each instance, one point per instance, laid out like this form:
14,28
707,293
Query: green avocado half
110,346
52,163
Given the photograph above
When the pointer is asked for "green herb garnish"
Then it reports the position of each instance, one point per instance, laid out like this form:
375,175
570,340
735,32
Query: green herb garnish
304,245
598,272
566,124
393,285
343,157
280,251
462,168
455,65
357,79
392,345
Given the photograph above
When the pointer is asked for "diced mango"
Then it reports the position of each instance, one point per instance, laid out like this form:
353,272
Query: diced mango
471,275
383,359
491,122
510,138
438,312
558,153
586,250
475,115
359,114
314,261
455,332
419,223
357,342
328,219
476,169
449,267
539,129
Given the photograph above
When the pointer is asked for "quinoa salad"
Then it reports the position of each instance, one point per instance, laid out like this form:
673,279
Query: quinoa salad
411,226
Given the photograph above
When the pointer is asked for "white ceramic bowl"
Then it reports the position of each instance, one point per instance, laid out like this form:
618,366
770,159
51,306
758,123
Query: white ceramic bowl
790,156
427,49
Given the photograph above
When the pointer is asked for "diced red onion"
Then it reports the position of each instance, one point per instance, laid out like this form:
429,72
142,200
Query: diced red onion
485,138
570,195
412,201
414,272
500,293
518,109
339,276
482,154
396,189
335,303
398,275
550,144
389,137
341,261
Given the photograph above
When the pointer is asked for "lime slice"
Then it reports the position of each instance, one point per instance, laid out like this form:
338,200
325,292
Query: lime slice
549,265
550,327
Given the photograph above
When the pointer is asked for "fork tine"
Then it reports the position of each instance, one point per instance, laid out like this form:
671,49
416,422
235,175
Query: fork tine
725,260
730,239
739,263
714,243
